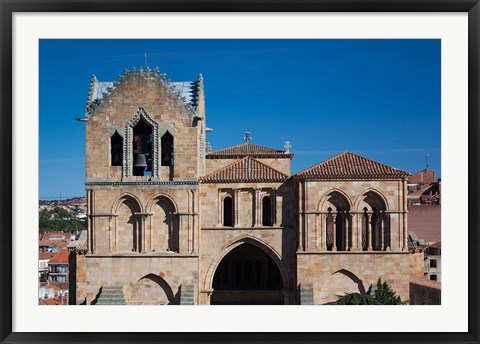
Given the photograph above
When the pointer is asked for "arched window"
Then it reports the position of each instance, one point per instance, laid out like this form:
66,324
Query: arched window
266,211
167,149
128,227
338,221
164,232
142,149
116,149
228,211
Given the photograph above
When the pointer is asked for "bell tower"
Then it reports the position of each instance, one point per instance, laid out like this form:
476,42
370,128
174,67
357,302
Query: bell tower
145,140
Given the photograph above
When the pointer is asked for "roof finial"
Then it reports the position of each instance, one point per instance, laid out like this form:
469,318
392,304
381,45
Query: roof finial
247,137
287,147
426,160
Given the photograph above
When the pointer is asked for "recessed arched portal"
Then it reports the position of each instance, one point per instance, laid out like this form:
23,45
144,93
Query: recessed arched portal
247,275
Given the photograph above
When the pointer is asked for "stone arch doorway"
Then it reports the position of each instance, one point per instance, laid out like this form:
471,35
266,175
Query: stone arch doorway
247,275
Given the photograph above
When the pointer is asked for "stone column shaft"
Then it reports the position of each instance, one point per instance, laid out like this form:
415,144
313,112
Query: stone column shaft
369,232
382,239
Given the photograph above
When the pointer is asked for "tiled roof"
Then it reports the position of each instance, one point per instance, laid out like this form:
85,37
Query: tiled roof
248,149
424,282
437,245
60,258
349,165
55,301
46,255
243,171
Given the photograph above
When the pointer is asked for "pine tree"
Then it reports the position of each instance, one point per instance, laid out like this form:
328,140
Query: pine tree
383,295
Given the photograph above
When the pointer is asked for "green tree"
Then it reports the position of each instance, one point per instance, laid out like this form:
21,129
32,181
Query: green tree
385,295
382,295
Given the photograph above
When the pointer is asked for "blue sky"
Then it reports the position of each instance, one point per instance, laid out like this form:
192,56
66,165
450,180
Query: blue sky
376,98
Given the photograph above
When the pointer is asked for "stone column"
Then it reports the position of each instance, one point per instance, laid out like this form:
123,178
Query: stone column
89,221
144,233
274,207
389,236
92,225
300,216
209,296
345,224
382,229
405,233
110,234
137,233
334,246
355,232
236,204
257,207
115,233
323,232
150,233
220,212
369,230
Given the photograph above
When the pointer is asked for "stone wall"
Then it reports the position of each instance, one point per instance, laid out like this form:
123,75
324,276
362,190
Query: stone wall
145,279
333,274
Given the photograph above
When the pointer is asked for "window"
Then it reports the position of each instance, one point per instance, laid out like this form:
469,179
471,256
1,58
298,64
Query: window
433,277
433,263
167,149
266,211
116,149
228,211
142,149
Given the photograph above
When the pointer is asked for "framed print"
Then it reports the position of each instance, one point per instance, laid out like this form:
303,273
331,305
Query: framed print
261,197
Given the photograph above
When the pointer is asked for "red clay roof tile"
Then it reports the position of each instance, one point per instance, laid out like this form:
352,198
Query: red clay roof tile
248,149
60,258
243,171
349,165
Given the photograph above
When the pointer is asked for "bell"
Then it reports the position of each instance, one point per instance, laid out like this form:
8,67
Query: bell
140,161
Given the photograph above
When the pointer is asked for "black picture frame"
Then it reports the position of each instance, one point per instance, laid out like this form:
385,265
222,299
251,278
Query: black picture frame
8,7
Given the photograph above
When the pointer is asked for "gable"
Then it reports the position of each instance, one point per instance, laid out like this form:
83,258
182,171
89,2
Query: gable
245,170
186,92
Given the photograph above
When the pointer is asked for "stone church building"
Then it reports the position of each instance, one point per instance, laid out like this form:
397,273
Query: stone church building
170,222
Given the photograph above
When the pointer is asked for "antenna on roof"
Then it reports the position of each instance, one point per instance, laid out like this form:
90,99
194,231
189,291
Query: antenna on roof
426,160
146,64
247,137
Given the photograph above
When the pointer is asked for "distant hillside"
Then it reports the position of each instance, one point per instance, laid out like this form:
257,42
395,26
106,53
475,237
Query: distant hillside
67,215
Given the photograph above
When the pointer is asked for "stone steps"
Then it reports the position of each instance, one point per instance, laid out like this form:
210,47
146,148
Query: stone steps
187,294
111,295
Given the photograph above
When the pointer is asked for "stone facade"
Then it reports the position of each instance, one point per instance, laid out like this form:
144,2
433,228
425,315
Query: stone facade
170,224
